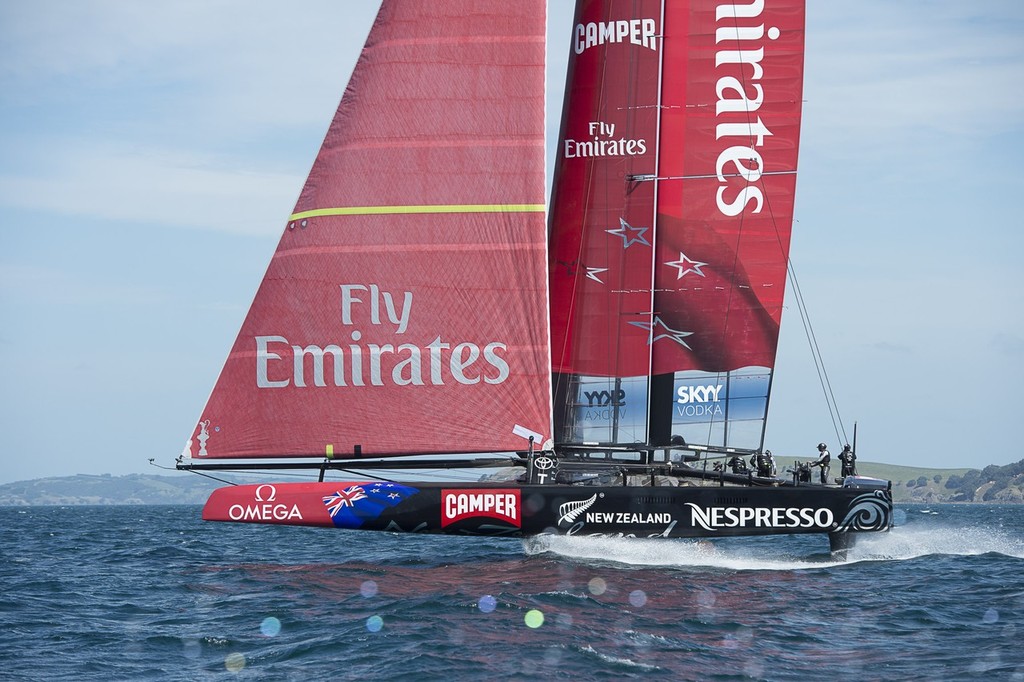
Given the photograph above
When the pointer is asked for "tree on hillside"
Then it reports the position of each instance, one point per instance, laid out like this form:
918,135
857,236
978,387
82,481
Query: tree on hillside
990,494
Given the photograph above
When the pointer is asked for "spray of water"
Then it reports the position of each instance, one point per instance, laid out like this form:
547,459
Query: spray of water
899,544
679,553
912,542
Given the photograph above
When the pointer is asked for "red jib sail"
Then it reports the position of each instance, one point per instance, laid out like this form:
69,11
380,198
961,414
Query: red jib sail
404,310
673,204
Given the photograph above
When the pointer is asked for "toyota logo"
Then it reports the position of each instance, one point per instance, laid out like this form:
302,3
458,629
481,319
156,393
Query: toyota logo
544,463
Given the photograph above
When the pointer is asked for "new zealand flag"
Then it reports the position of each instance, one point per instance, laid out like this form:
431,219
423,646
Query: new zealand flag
356,503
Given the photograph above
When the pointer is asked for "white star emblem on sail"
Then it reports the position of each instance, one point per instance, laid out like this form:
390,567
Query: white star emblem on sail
686,265
669,333
630,235
592,273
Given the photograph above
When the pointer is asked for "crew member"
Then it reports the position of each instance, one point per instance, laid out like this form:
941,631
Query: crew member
849,461
737,465
823,461
763,463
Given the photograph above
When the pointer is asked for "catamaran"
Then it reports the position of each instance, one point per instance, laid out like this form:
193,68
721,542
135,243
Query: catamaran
426,310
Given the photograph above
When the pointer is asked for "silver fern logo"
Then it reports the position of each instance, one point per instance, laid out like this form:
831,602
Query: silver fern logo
569,511
867,512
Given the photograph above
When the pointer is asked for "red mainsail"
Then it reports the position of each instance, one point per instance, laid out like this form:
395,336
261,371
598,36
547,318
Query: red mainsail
405,309
674,190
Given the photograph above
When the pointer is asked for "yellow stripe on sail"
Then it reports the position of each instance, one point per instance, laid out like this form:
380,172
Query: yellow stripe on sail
439,208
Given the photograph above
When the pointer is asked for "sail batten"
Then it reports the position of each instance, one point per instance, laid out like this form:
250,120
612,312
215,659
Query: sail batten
437,208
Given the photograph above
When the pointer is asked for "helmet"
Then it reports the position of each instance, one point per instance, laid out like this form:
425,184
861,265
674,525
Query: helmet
846,447
768,453
821,446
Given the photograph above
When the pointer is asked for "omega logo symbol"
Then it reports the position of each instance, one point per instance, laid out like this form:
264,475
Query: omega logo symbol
270,498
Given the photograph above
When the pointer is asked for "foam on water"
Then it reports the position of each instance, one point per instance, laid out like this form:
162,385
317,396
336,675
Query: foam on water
679,553
917,541
899,544
618,661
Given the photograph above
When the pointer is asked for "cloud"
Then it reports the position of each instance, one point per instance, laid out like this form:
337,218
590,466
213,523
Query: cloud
888,74
897,348
1006,343
152,185
168,113
46,286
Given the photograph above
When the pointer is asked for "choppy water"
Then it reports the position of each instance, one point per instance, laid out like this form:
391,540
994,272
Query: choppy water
130,593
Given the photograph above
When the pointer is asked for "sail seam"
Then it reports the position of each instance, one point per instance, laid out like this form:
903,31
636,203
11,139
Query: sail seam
437,208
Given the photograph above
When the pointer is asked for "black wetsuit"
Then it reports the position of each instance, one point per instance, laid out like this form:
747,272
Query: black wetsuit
823,461
849,461
737,465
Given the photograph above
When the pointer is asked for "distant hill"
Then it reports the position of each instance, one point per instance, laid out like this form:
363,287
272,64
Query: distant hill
995,484
107,489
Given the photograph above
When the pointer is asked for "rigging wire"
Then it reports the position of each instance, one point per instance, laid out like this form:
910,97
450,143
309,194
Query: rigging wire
819,362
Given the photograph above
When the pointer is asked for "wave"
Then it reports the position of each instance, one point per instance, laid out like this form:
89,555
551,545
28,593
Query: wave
913,542
617,660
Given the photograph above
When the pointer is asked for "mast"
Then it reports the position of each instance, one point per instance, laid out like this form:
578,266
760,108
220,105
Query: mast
661,387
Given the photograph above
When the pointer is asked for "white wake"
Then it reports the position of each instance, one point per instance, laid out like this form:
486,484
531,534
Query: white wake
787,554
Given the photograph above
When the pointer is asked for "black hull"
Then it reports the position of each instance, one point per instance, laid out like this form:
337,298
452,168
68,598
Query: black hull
515,510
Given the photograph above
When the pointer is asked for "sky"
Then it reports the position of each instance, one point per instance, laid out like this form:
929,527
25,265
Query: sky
150,154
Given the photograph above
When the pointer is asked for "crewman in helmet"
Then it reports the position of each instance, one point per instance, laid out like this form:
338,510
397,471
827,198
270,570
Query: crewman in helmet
849,460
823,461
737,465
763,463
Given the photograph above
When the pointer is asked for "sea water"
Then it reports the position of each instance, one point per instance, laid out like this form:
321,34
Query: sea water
136,592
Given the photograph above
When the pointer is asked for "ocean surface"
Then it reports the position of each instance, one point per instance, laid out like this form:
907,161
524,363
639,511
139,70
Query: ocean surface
136,593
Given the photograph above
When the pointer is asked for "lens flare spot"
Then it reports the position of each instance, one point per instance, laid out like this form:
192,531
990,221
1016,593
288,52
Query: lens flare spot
991,616
487,603
637,598
368,589
270,627
192,649
374,623
597,586
234,662
533,619
753,669
706,598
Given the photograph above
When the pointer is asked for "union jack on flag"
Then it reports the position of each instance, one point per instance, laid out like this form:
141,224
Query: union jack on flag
358,503
345,498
